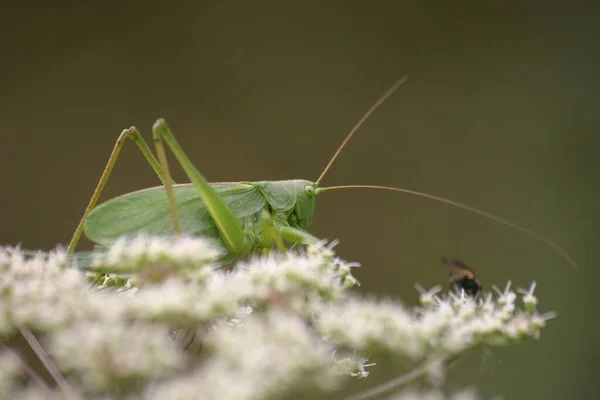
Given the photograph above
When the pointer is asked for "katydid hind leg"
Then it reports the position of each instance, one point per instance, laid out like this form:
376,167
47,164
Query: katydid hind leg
133,134
164,166
228,225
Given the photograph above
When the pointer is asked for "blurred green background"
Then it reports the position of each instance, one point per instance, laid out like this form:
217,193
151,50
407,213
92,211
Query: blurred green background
500,112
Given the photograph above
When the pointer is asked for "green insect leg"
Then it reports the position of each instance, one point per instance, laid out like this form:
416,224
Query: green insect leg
270,237
137,138
296,235
229,227
164,167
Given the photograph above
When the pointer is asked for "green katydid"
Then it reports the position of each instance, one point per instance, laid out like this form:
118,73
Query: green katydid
232,212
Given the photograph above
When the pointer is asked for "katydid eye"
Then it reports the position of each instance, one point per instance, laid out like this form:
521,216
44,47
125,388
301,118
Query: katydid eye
309,191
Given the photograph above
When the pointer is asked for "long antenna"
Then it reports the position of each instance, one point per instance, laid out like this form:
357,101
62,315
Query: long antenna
493,217
380,101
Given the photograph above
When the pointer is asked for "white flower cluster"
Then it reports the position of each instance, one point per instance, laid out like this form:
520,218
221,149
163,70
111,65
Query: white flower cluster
31,288
269,327
430,337
269,356
443,327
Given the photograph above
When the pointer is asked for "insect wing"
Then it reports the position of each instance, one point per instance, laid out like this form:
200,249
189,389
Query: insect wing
147,211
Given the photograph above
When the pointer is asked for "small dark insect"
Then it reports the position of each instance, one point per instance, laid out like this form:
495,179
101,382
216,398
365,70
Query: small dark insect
462,277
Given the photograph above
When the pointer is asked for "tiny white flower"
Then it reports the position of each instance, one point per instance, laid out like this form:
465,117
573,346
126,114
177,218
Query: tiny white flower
445,307
539,320
427,297
507,297
488,305
322,248
529,300
353,366
467,308
518,327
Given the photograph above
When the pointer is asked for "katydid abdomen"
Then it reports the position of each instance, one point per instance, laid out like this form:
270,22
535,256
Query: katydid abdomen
146,211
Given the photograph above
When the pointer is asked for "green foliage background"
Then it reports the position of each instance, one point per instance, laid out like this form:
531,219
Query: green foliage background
500,112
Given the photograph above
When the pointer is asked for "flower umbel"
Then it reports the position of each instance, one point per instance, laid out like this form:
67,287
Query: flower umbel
270,327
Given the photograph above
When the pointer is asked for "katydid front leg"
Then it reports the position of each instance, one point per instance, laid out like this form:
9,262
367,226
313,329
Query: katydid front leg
273,231
228,225
270,237
295,235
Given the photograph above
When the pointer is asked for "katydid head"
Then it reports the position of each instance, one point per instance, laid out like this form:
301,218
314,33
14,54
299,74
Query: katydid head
305,203
314,189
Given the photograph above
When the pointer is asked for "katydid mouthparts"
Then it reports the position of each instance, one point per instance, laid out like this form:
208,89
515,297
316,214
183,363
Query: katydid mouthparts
246,217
